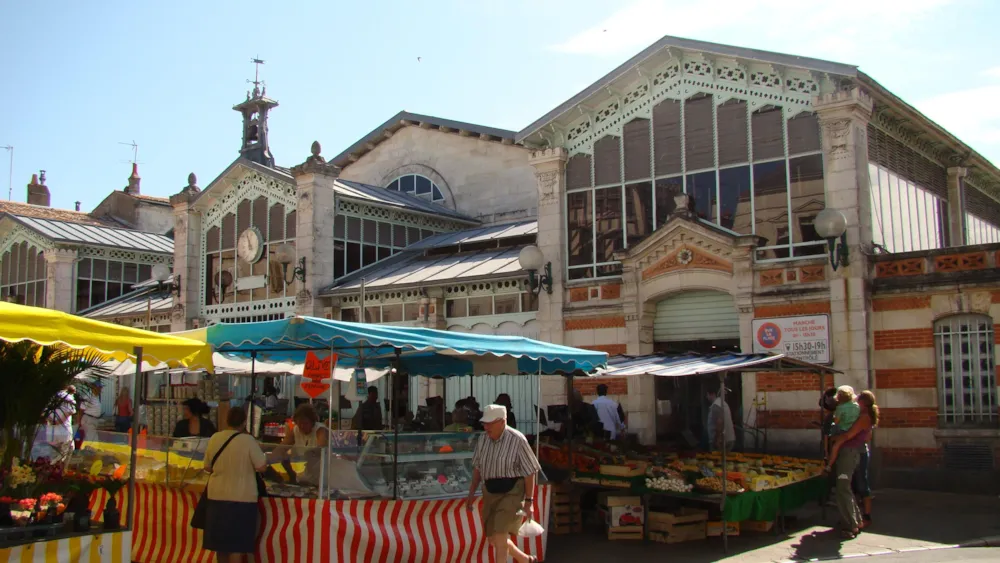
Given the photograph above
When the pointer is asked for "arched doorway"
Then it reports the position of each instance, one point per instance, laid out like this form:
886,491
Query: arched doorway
706,322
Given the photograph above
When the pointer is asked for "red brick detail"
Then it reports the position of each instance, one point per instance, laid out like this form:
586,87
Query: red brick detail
611,291
612,321
909,417
910,457
687,257
610,349
813,273
904,338
900,303
792,275
792,309
995,296
911,378
433,309
588,385
960,262
594,293
772,277
787,381
908,267
789,420
579,294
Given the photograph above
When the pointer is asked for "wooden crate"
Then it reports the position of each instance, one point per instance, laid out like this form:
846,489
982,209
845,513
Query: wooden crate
565,515
625,533
687,524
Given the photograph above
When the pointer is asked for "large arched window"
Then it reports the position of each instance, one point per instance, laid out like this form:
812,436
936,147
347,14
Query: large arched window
420,186
966,365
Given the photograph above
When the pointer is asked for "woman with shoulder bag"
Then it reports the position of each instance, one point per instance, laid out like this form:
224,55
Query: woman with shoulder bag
233,458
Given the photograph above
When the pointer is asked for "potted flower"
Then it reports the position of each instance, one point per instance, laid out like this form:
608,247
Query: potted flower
80,487
5,507
112,484
52,505
24,512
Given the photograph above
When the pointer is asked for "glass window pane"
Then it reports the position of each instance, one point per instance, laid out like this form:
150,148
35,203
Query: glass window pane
698,130
82,294
529,302
423,187
369,255
373,314
411,311
339,226
392,313
146,271
734,194
339,255
454,308
507,304
353,229
607,161
100,269
369,231
667,137
480,306
771,205
803,133
768,137
438,196
666,189
701,187
114,270
608,224
580,227
243,212
40,294
635,136
406,184
228,231
399,236
97,289
353,257
578,172
806,188
639,211
260,214
384,252
732,132
424,233
290,225
581,273
384,233
83,268
276,222
349,315
130,272
394,186
412,234
114,290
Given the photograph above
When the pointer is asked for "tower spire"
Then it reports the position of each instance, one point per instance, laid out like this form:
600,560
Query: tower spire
254,111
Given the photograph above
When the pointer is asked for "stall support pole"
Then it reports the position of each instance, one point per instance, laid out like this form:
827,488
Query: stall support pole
133,454
253,391
395,431
538,407
725,476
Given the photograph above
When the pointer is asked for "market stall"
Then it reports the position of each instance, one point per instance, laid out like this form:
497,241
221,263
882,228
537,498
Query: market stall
387,495
69,508
754,488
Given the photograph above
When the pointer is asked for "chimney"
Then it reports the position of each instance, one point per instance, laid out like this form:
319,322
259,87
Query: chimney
78,205
38,192
133,181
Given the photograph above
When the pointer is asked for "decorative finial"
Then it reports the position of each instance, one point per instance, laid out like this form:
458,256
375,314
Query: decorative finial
34,179
192,179
41,177
315,148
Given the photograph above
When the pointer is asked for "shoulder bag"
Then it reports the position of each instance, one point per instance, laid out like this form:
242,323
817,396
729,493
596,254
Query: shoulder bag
201,509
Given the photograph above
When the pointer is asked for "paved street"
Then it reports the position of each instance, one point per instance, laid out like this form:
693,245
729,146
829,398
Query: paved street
904,520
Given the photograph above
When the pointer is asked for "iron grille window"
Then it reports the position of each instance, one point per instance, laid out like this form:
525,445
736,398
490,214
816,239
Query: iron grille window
99,280
905,216
967,385
23,274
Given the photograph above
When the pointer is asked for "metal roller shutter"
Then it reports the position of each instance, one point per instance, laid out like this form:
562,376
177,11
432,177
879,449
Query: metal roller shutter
696,315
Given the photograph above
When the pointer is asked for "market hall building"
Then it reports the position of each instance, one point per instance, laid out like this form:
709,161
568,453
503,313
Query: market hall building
676,200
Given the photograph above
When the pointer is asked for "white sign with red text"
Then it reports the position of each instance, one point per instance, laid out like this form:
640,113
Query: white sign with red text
804,338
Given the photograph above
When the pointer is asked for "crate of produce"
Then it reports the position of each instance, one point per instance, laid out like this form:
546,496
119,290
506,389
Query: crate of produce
715,529
615,534
757,525
630,469
686,524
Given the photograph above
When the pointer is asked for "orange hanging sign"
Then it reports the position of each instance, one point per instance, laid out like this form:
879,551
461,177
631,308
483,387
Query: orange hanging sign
317,368
314,388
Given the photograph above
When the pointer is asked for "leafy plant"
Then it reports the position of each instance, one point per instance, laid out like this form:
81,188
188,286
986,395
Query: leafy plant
32,378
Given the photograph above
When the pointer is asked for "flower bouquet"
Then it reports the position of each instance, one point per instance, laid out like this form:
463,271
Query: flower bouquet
52,505
24,514
112,484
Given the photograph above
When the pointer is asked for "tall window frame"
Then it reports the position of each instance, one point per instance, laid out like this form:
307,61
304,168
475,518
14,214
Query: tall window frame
966,367
417,185
23,273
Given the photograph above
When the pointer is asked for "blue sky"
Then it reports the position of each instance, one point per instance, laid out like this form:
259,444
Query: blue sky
77,78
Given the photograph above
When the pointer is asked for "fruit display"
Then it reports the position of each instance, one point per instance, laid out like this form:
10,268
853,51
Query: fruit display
665,472
668,484
714,485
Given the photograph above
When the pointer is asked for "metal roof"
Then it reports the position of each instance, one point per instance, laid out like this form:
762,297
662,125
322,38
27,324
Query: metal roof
401,119
411,269
134,303
64,231
478,235
667,42
382,196
682,365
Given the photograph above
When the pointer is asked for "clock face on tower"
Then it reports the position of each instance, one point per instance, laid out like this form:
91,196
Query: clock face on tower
250,245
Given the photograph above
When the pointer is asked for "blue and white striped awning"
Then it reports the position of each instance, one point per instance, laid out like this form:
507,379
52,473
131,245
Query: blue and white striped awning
683,365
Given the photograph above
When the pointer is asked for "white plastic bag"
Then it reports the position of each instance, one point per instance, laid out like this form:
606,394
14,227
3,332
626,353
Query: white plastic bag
530,529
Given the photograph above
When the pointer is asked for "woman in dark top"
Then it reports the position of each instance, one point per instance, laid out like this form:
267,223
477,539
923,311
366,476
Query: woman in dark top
504,399
194,424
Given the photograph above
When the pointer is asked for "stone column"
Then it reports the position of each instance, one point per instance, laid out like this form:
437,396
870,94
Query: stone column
550,172
315,213
60,279
843,118
187,257
956,205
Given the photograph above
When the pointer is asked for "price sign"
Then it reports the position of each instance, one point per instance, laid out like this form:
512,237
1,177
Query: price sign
318,368
706,471
315,388
361,382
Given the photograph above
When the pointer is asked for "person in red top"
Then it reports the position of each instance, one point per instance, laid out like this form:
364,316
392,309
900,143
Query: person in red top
123,411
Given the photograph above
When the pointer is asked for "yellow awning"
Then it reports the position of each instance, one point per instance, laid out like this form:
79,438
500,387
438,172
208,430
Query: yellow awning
46,327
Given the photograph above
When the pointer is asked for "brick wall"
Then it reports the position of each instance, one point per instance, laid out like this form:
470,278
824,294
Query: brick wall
789,420
904,338
609,349
788,381
913,378
588,385
610,321
910,457
792,309
916,417
900,303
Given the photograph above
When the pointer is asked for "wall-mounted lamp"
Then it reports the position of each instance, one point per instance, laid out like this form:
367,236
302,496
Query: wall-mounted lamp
161,274
176,289
285,255
532,260
832,225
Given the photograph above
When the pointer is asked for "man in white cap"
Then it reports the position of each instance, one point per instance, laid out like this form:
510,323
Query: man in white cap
504,463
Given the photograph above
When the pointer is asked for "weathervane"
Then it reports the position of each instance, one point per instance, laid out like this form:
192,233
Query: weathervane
257,82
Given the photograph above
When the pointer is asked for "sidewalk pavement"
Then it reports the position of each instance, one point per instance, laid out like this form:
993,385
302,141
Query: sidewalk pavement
904,521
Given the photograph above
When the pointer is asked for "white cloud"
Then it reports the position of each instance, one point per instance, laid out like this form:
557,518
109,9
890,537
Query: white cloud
971,115
992,72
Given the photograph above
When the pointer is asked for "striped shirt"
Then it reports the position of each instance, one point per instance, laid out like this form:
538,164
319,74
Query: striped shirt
509,456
